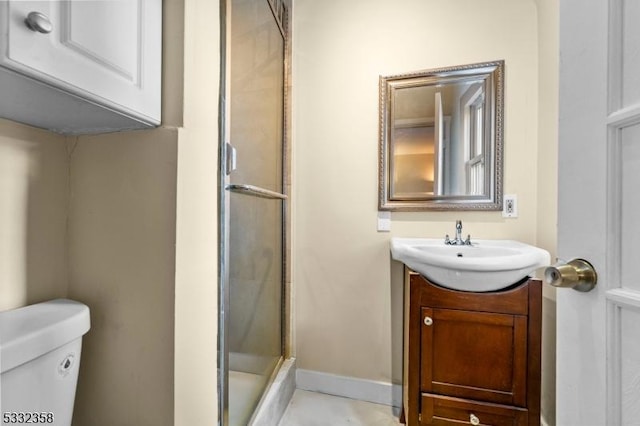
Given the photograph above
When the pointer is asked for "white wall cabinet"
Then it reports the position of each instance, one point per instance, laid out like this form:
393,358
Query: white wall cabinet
81,66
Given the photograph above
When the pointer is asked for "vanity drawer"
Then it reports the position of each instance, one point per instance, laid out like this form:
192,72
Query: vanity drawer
444,411
514,301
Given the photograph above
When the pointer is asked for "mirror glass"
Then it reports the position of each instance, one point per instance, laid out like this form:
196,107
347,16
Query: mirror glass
441,139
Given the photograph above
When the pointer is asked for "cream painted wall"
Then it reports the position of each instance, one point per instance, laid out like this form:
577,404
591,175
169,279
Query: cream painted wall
548,70
122,248
196,289
34,173
548,67
122,216
144,245
127,223
348,291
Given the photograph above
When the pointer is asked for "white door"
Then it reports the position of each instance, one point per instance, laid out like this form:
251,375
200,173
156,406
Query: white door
108,51
598,333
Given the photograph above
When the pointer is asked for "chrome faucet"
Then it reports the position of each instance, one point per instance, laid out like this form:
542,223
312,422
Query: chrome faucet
458,240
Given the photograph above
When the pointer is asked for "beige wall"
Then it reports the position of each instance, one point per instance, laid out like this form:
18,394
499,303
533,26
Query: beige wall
126,222
196,303
548,45
548,54
348,291
34,173
122,247
122,217
144,245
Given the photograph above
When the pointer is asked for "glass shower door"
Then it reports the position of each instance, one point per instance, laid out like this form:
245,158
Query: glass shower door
255,213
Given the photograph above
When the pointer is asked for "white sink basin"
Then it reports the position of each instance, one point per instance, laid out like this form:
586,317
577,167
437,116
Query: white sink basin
487,265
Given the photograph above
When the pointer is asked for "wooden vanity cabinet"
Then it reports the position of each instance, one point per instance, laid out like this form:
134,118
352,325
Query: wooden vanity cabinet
472,358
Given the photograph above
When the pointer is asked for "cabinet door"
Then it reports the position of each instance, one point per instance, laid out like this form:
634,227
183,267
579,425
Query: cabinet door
107,51
444,411
475,355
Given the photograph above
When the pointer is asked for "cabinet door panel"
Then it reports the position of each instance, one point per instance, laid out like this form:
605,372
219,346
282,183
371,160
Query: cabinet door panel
108,51
121,52
474,355
445,411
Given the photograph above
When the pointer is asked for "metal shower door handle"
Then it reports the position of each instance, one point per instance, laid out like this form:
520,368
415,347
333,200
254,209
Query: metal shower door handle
255,190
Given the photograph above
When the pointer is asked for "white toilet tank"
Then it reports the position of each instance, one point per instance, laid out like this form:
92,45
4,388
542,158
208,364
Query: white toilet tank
39,360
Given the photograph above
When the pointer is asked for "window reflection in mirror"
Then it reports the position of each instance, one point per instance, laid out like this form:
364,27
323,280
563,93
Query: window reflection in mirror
441,139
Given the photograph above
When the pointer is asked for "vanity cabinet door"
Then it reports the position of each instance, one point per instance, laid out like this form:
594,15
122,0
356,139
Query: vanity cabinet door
108,52
475,355
445,411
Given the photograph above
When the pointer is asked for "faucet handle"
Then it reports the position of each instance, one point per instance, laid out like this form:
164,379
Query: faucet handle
467,242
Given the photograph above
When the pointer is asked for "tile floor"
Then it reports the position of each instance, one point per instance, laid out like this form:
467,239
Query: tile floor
317,409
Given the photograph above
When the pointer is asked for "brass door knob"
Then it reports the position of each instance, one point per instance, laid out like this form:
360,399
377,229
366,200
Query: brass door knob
577,274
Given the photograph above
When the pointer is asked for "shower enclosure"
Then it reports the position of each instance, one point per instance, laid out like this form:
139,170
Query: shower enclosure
254,205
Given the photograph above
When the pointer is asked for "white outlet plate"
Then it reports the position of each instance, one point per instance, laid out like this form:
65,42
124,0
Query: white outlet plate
510,205
384,221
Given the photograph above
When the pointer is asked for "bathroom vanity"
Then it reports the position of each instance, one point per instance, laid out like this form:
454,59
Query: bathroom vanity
471,357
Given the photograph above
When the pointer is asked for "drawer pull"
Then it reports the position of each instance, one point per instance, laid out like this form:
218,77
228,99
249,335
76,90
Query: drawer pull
474,420
38,22
428,321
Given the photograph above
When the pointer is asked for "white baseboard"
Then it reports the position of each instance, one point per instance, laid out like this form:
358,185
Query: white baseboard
354,388
350,387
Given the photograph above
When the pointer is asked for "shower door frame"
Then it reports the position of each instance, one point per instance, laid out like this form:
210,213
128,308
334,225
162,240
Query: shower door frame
224,203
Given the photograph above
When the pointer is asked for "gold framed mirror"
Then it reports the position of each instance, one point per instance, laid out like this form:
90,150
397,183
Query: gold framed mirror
441,139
